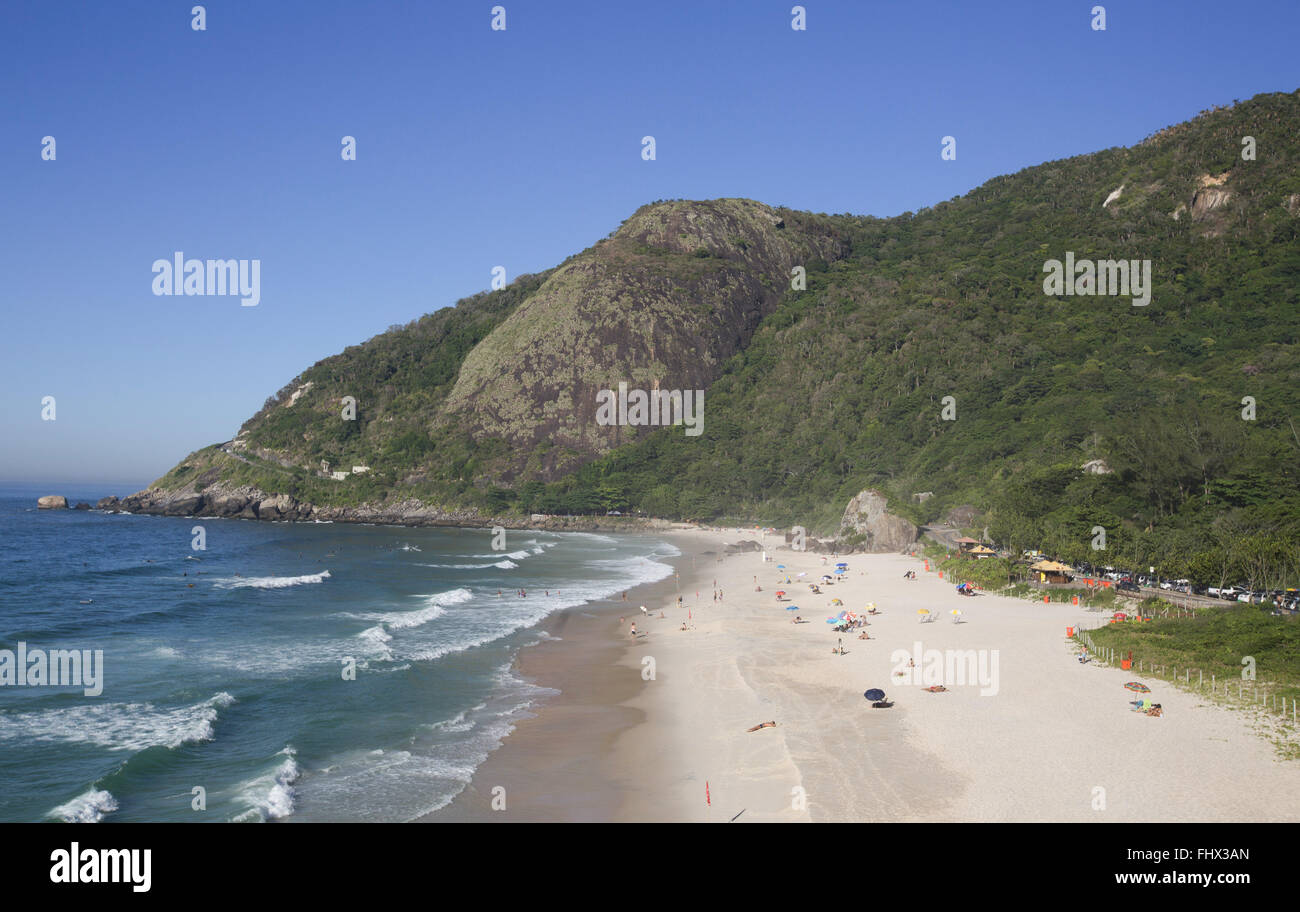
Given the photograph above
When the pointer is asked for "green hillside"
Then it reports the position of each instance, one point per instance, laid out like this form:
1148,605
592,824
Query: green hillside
813,395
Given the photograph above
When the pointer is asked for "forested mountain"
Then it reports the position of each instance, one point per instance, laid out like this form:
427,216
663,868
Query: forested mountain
812,394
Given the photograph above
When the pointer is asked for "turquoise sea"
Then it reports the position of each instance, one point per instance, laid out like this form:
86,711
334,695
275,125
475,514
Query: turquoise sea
223,668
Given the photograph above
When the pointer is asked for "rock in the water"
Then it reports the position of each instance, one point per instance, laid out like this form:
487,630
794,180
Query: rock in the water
52,502
228,505
866,515
108,503
183,506
82,505
280,506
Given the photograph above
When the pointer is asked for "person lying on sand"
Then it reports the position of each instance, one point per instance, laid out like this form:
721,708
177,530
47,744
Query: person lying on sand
762,725
937,689
798,620
863,636
1155,711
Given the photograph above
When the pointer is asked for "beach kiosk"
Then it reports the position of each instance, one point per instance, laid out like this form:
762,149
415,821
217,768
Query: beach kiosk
1050,571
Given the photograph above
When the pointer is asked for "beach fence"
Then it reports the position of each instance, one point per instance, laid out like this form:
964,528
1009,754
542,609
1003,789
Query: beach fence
1250,694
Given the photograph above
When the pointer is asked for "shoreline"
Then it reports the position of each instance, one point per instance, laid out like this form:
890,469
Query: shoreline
554,763
1044,739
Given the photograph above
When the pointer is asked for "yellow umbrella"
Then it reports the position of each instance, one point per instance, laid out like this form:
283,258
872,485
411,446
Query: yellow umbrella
836,602
922,610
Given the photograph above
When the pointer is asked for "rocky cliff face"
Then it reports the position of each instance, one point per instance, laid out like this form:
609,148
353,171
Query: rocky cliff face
884,532
225,501
662,304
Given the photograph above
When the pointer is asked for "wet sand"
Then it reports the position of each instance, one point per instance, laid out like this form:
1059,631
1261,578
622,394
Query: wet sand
556,764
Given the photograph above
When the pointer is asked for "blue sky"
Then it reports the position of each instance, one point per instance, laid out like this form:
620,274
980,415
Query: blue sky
479,148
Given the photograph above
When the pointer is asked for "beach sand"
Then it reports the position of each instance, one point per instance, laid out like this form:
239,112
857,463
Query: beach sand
1053,741
1057,741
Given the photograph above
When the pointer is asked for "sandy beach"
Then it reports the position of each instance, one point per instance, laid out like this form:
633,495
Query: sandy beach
642,724
1043,739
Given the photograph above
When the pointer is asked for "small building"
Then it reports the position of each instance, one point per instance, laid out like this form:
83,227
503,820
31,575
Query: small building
338,476
965,543
360,470
1050,571
979,552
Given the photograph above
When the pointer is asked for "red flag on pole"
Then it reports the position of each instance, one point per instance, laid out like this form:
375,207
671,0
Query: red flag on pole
707,799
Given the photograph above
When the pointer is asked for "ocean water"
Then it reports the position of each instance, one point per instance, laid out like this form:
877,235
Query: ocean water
223,668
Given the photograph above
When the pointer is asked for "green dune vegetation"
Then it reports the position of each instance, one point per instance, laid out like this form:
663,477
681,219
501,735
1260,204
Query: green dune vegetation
1171,425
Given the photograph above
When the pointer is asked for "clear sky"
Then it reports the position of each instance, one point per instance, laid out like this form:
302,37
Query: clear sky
478,148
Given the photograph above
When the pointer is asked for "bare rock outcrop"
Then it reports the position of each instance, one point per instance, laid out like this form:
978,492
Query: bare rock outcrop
867,516
52,502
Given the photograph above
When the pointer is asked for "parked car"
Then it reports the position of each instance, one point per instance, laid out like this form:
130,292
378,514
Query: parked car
1128,586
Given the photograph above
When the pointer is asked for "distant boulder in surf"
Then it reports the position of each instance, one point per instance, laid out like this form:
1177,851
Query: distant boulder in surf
108,503
82,505
52,502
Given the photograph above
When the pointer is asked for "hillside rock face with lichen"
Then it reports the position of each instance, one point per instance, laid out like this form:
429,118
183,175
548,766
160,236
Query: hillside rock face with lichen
662,304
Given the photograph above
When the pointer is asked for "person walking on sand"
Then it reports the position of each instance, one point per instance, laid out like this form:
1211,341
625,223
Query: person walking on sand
644,612
634,628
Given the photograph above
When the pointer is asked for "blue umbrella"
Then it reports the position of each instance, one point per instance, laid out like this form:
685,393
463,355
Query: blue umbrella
875,694
791,607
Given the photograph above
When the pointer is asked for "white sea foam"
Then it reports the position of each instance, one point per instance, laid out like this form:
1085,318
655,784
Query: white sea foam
457,566
88,807
376,640
506,565
118,726
378,637
272,794
270,582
